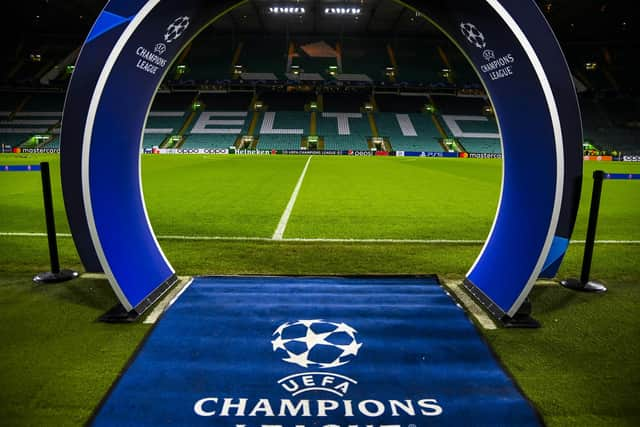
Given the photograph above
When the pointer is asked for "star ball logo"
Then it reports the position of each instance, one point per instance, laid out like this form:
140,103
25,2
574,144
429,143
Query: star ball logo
473,35
316,344
176,29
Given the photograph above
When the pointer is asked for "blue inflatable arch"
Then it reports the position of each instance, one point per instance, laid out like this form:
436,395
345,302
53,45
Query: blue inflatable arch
133,44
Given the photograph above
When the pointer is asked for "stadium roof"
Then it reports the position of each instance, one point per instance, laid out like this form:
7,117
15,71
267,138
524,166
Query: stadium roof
587,20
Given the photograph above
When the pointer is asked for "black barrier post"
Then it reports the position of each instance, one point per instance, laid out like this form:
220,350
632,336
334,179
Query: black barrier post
55,275
583,284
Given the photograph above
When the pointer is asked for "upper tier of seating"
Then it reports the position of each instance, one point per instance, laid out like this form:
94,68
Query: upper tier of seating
351,101
459,105
390,103
236,101
292,101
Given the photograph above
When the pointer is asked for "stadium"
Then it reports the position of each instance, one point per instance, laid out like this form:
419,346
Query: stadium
276,212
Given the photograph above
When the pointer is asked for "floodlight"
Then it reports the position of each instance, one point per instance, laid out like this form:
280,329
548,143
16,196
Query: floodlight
288,10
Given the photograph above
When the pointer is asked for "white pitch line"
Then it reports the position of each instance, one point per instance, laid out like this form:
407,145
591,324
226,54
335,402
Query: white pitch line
282,225
26,234
321,240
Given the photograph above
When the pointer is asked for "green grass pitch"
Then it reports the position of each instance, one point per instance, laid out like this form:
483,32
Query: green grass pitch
56,361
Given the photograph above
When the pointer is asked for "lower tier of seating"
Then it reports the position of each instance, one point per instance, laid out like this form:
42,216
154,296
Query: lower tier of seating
415,143
279,142
153,140
209,141
482,145
346,142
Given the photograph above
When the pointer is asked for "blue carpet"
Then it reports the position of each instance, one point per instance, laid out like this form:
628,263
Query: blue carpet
300,352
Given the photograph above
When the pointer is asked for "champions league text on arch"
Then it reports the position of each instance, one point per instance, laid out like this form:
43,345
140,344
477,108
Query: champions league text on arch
509,43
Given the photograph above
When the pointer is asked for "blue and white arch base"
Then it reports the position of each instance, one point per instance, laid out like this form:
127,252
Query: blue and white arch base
131,48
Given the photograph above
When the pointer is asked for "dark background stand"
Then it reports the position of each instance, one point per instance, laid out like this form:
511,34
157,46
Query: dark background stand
55,275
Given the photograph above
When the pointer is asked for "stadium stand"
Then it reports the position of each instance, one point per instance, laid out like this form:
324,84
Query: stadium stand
9,101
209,59
459,105
315,56
418,62
284,123
590,66
344,131
611,122
216,129
209,141
622,109
287,101
368,56
9,131
264,55
478,134
345,100
594,116
54,143
45,102
173,101
206,84
161,125
408,132
462,72
283,130
225,101
259,77
34,121
622,140
153,140
481,145
621,56
354,78
279,142
393,102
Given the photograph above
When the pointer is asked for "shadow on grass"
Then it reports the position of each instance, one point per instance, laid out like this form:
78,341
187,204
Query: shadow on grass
92,293
555,297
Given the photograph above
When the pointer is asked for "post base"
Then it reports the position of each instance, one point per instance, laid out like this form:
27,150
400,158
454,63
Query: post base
577,285
50,277
118,314
522,319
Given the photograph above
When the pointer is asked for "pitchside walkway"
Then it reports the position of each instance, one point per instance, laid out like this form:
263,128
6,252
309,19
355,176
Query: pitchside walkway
284,351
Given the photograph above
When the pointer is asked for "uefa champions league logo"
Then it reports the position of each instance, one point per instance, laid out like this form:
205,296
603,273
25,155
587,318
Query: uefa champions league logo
176,29
319,345
473,35
476,38
316,344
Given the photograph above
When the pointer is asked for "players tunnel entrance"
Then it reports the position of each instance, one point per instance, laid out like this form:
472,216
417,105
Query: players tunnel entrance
510,45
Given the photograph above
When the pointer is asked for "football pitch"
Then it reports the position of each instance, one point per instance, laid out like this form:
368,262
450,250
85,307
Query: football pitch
352,215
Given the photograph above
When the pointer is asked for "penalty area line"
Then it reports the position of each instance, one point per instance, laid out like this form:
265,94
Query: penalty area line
320,240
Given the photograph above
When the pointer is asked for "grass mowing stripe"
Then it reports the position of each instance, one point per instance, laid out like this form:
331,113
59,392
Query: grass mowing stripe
282,225
321,240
